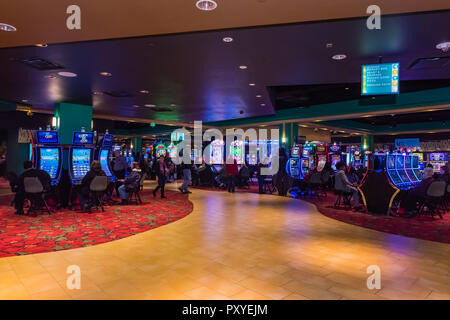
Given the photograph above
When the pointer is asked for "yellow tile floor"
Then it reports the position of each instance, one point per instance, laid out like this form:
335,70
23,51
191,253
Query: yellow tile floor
239,246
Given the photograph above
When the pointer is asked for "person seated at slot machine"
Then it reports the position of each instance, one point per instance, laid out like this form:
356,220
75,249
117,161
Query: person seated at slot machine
408,204
131,182
244,175
84,189
29,172
119,165
341,183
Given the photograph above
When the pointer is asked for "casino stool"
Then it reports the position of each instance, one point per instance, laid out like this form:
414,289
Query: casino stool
434,198
97,190
34,192
268,186
342,197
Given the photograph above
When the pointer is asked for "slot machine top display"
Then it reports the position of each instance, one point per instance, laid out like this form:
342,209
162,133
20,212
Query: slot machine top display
296,151
47,137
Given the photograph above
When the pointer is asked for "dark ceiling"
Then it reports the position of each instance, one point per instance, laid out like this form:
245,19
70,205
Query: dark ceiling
197,75
393,120
286,97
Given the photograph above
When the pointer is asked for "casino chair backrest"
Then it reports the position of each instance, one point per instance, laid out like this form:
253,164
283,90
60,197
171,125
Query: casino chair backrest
436,189
141,182
99,184
32,185
316,178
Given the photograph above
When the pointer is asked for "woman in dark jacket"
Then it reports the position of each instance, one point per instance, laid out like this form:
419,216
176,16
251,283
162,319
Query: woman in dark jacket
84,188
162,172
131,182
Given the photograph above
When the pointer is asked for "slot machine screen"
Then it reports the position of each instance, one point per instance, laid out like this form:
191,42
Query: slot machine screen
395,177
307,150
400,162
81,162
334,160
47,137
83,138
419,174
104,159
411,175
390,162
408,162
403,176
49,161
295,152
437,156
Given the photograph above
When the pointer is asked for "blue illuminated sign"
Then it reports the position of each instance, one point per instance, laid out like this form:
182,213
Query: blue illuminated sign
378,79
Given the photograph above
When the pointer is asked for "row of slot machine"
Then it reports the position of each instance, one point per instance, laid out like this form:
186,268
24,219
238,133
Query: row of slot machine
47,154
304,157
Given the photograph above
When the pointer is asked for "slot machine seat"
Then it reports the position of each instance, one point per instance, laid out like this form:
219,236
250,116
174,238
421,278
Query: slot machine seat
134,194
97,190
342,197
34,191
434,199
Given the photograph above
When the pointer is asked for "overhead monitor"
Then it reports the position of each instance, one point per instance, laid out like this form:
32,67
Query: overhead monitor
83,138
47,137
380,79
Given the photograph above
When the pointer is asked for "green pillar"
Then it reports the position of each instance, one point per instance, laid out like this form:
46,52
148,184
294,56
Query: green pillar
367,142
71,117
16,153
137,145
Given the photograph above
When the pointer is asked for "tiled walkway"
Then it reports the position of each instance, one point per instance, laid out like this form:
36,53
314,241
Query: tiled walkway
239,246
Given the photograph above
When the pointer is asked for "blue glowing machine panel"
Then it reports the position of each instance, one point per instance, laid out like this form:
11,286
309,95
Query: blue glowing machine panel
81,159
47,137
49,159
83,138
104,161
108,140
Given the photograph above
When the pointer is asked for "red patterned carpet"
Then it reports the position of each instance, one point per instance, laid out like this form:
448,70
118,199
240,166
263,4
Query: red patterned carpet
66,229
424,227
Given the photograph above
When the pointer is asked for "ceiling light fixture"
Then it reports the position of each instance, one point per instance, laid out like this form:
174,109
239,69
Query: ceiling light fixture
367,116
339,57
263,104
242,67
41,45
24,100
206,5
135,106
50,76
7,27
144,91
252,84
97,93
227,39
258,96
106,74
173,105
149,105
67,74
444,46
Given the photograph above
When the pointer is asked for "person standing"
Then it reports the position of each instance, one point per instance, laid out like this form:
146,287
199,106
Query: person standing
232,172
186,168
162,172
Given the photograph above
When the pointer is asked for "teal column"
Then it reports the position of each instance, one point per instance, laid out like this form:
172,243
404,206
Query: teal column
71,117
16,153
288,135
137,145
294,132
367,143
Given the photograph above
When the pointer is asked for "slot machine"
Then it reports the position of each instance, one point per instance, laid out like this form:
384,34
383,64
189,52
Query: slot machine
419,156
294,165
237,151
104,155
437,160
335,155
160,150
48,154
172,151
356,158
81,154
216,153
308,153
321,156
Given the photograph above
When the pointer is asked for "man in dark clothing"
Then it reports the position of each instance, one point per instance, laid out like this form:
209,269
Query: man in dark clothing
186,168
260,176
29,172
85,187
131,182
417,194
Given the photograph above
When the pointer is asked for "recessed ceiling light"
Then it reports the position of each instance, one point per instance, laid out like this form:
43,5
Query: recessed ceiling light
206,5
329,45
135,106
263,104
50,76
317,120
227,39
242,67
304,126
97,93
339,57
430,110
367,116
144,91
7,27
342,131
148,105
67,74
347,88
258,96
173,105
106,74
41,45
252,84
444,46
24,100
325,129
